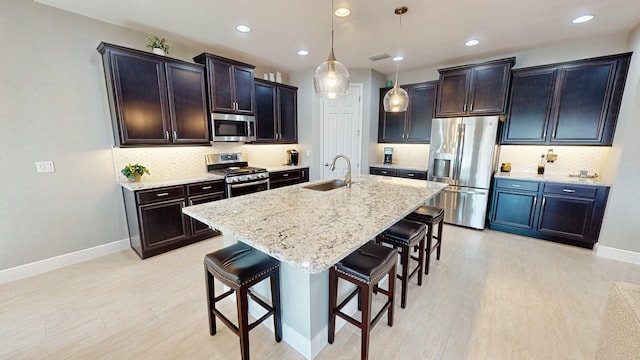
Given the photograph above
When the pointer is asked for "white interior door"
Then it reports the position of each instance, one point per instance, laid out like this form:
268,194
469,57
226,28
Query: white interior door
342,132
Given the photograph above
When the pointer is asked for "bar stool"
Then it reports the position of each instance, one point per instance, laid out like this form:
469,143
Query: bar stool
404,235
239,267
430,216
364,268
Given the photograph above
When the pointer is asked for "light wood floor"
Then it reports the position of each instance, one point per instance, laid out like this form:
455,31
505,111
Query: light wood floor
491,296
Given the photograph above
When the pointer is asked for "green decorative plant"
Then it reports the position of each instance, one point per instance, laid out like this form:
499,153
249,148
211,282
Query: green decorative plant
134,172
155,42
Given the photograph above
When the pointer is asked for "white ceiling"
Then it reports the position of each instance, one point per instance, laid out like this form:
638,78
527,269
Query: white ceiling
434,31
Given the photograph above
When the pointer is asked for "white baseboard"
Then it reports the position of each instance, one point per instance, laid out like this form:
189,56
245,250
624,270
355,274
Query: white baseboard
57,262
618,254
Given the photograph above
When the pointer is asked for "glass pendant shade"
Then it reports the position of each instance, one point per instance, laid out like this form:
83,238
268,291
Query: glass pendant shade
396,100
331,78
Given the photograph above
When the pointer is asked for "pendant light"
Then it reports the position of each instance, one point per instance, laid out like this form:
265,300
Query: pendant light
397,99
331,78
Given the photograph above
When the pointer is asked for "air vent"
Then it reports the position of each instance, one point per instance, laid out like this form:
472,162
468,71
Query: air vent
379,57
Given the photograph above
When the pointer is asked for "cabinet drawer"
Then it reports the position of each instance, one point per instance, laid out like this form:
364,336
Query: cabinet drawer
412,174
285,175
383,171
161,194
205,187
517,184
571,190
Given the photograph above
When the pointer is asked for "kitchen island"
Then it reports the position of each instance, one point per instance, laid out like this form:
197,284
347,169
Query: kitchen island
309,231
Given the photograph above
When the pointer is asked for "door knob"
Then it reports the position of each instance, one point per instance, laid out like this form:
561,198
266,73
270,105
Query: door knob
326,164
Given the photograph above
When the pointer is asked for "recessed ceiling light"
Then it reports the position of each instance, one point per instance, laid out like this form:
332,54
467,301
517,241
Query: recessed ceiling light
472,42
398,58
581,19
243,28
342,12
303,52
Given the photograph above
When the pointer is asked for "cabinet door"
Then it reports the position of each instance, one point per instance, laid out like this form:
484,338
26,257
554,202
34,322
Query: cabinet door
489,86
452,93
584,91
221,84
288,119
243,89
514,209
140,99
530,106
187,103
391,125
566,217
162,223
422,100
266,108
198,228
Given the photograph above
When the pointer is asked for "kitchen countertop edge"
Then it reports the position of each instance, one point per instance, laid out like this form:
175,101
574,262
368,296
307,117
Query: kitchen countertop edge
559,178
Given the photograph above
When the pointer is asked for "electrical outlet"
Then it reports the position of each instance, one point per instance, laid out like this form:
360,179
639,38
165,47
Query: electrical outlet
45,166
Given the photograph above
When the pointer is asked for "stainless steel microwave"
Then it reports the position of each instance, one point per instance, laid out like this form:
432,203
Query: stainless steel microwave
231,127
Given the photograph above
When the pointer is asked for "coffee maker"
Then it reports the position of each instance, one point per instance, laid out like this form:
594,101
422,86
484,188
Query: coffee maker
292,156
388,156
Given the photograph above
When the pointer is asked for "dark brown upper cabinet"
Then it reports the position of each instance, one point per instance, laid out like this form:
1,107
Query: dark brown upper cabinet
478,89
230,84
154,100
413,125
276,112
572,103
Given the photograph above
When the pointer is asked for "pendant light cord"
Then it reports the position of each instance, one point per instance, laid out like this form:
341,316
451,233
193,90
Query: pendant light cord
397,48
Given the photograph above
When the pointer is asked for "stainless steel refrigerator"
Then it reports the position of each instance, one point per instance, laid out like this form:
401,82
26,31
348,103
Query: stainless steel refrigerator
463,154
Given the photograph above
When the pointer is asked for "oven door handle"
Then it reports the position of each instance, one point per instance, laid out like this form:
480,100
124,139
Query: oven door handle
235,186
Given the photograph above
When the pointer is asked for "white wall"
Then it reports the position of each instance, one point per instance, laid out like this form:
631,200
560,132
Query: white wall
620,227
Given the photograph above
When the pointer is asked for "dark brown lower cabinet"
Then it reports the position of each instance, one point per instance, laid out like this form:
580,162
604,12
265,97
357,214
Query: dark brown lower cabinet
278,179
155,219
405,173
561,212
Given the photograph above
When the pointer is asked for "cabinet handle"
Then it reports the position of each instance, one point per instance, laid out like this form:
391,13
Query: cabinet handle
383,172
411,174
471,107
464,108
162,194
568,190
166,135
206,187
516,185
285,175
175,135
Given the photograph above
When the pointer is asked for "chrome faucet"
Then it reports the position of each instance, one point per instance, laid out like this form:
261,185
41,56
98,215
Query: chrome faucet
347,177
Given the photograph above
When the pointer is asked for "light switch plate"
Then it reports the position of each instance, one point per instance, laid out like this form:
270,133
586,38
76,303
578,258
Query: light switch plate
45,166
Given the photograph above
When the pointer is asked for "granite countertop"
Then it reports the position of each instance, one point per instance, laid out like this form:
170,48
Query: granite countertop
396,166
551,177
286,167
312,230
147,184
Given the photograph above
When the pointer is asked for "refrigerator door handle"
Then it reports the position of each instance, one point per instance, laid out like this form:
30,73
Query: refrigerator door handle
457,167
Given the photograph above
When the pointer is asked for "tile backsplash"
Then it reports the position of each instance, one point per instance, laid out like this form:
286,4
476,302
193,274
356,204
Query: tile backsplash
166,163
415,156
571,159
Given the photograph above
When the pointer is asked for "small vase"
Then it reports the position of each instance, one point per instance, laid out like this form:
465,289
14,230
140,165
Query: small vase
158,51
136,178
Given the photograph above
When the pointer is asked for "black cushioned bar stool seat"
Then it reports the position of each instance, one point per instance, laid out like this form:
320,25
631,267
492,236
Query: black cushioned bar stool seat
364,267
240,266
430,216
404,235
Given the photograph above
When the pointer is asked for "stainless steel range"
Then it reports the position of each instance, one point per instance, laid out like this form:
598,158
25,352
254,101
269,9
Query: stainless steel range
239,177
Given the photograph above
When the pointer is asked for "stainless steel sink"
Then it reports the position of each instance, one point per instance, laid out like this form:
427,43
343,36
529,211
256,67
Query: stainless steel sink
327,185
